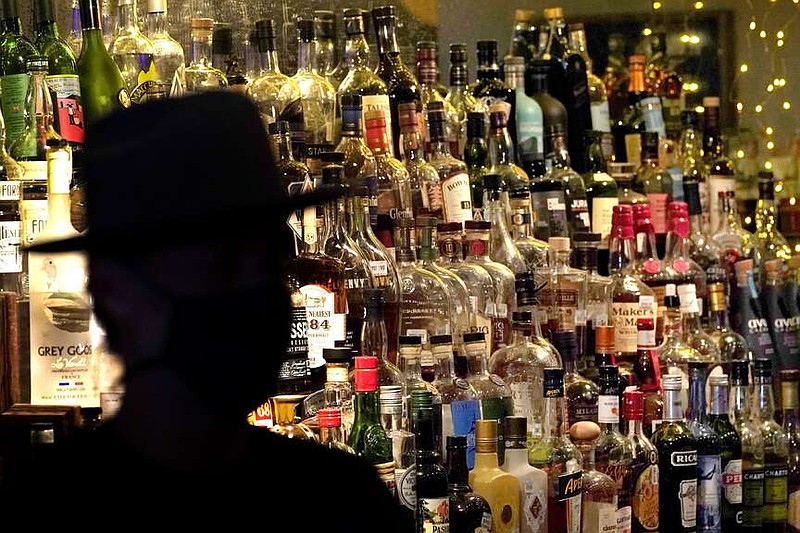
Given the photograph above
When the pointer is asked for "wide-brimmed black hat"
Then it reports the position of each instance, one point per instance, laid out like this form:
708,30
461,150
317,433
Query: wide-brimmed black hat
191,169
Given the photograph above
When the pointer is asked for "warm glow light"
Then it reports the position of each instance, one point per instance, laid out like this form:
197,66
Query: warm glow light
770,145
792,200
647,31
787,106
768,130
780,43
762,34
740,154
694,39
685,38
656,5
700,109
781,82
779,35
778,187
743,68
770,88
739,107
759,108
753,24
796,246
748,220
698,5
768,165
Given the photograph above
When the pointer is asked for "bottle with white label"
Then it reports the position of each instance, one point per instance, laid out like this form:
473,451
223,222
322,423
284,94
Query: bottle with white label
730,453
599,493
533,481
10,219
61,358
677,463
456,192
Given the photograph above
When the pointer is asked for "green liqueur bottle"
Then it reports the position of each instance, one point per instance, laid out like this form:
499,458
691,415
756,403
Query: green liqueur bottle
103,89
677,463
730,453
62,74
368,437
432,497
15,49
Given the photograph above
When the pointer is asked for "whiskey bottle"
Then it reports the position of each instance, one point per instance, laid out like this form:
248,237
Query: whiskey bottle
395,422
647,376
677,463
732,346
560,459
599,502
598,96
426,189
528,114
582,394
432,508
456,194
564,297
693,333
528,287
730,452
431,90
598,292
469,511
359,162
133,52
790,422
476,157
502,158
533,251
533,482
574,188
752,441
674,352
691,155
602,193
644,467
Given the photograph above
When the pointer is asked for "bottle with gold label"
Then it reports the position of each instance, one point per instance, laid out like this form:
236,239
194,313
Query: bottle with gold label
133,52
500,488
644,467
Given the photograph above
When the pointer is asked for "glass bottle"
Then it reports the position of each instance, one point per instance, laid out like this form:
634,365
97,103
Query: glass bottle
432,508
730,452
452,171
790,423
752,441
534,251
286,419
134,53
167,52
693,332
732,346
549,203
674,353
17,49
776,448
644,467
427,73
691,156
528,115
721,176
476,157
426,189
565,296
500,488
399,78
678,265
469,511
74,39
373,337
338,390
11,254
200,74
328,61
782,325
582,394
747,316
677,462
533,481
103,88
647,376
553,110
501,246
528,287
395,421
602,192
598,96
501,152
655,182
330,430
773,244
599,492
490,88
62,74
574,190
628,122
359,162
368,437
598,292
559,458
275,94
459,96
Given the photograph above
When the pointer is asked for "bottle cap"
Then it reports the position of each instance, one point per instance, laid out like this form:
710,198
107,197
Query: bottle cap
329,418
421,399
516,427
742,268
586,237
524,15
441,339
153,6
718,380
36,63
486,435
672,382
339,354
604,338
553,12
409,340
637,59
521,317
633,408
365,362
325,24
474,336
366,379
559,244
448,227
478,225
740,372
456,442
458,53
514,62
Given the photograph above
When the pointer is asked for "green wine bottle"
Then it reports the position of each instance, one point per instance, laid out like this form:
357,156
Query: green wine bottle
15,49
103,89
62,74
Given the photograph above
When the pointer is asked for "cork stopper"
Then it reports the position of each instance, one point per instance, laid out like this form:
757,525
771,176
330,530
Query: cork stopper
524,15
486,436
743,269
559,244
584,432
553,12
773,269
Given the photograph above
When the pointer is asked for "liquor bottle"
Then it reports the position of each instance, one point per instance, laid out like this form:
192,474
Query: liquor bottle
773,244
425,306
790,423
629,123
647,376
409,355
734,240
537,76
58,290
103,88
602,193
564,296
599,501
328,61
549,202
490,88
287,412
730,452
373,337
501,152
476,240
598,292
613,453
11,256
655,182
476,157
598,96
691,155
14,70
395,421
432,509
559,458
330,430
665,82
677,463
317,96
368,437
502,248
782,325
732,346
534,251
709,449
500,488
426,189
133,52
752,446
528,287
693,332
674,352
747,316
524,37
167,52
431,90
222,57
393,187
574,189
74,38
459,96
399,78
359,164
338,390
776,448
275,94
528,116
452,171
582,394
469,511
644,467
630,297
624,174
678,265
461,320
533,481
721,174
62,74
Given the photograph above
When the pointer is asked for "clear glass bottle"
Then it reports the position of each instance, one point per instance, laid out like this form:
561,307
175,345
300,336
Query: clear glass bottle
674,353
330,430
426,189
560,459
678,266
328,61
574,189
133,52
427,73
598,292
790,423
533,481
533,250
502,248
359,161
733,239
396,423
338,392
501,151
693,333
644,466
200,73
772,242
452,171
489,87
374,338
167,52
690,153
730,452
732,346
599,492
565,296
602,192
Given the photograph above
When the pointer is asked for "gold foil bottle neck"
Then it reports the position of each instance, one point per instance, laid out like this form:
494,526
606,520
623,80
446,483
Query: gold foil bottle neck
716,297
486,436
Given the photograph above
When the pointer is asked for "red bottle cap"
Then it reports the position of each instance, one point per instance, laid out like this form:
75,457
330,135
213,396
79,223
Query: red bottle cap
329,418
679,218
366,361
633,408
366,379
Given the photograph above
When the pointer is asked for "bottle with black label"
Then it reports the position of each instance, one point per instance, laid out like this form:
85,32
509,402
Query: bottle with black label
783,326
747,318
730,452
677,463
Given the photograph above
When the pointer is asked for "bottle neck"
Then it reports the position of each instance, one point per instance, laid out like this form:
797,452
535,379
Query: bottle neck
269,56
283,145
620,252
444,364
476,358
553,417
500,148
126,18
457,469
201,49
366,408
696,410
673,406
740,403
40,106
719,401
356,51
157,24
765,401
410,364
392,418
635,427
305,56
331,434
422,426
790,405
387,38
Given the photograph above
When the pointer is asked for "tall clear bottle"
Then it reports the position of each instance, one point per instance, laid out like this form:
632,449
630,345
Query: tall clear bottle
395,422
732,346
200,73
502,248
426,189
655,182
730,452
133,52
167,52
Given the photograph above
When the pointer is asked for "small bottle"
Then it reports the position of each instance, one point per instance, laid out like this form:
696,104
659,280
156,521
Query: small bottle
167,52
331,436
533,481
338,391
644,467
469,511
730,452
432,509
500,488
599,505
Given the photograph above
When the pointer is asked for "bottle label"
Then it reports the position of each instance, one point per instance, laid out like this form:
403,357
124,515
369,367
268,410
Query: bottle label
658,211
677,183
386,473
717,184
457,197
435,513
261,416
501,331
579,213
704,206
14,87
464,414
623,317
33,215
570,487
406,480
683,469
577,411
374,102
10,251
687,494
298,331
139,72
65,92
776,488
752,497
324,325
550,214
379,269
534,500
34,170
525,395
601,116
709,489
599,516
608,410
562,305
623,520
530,128
645,498
602,212
793,518
732,481
653,115
486,523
